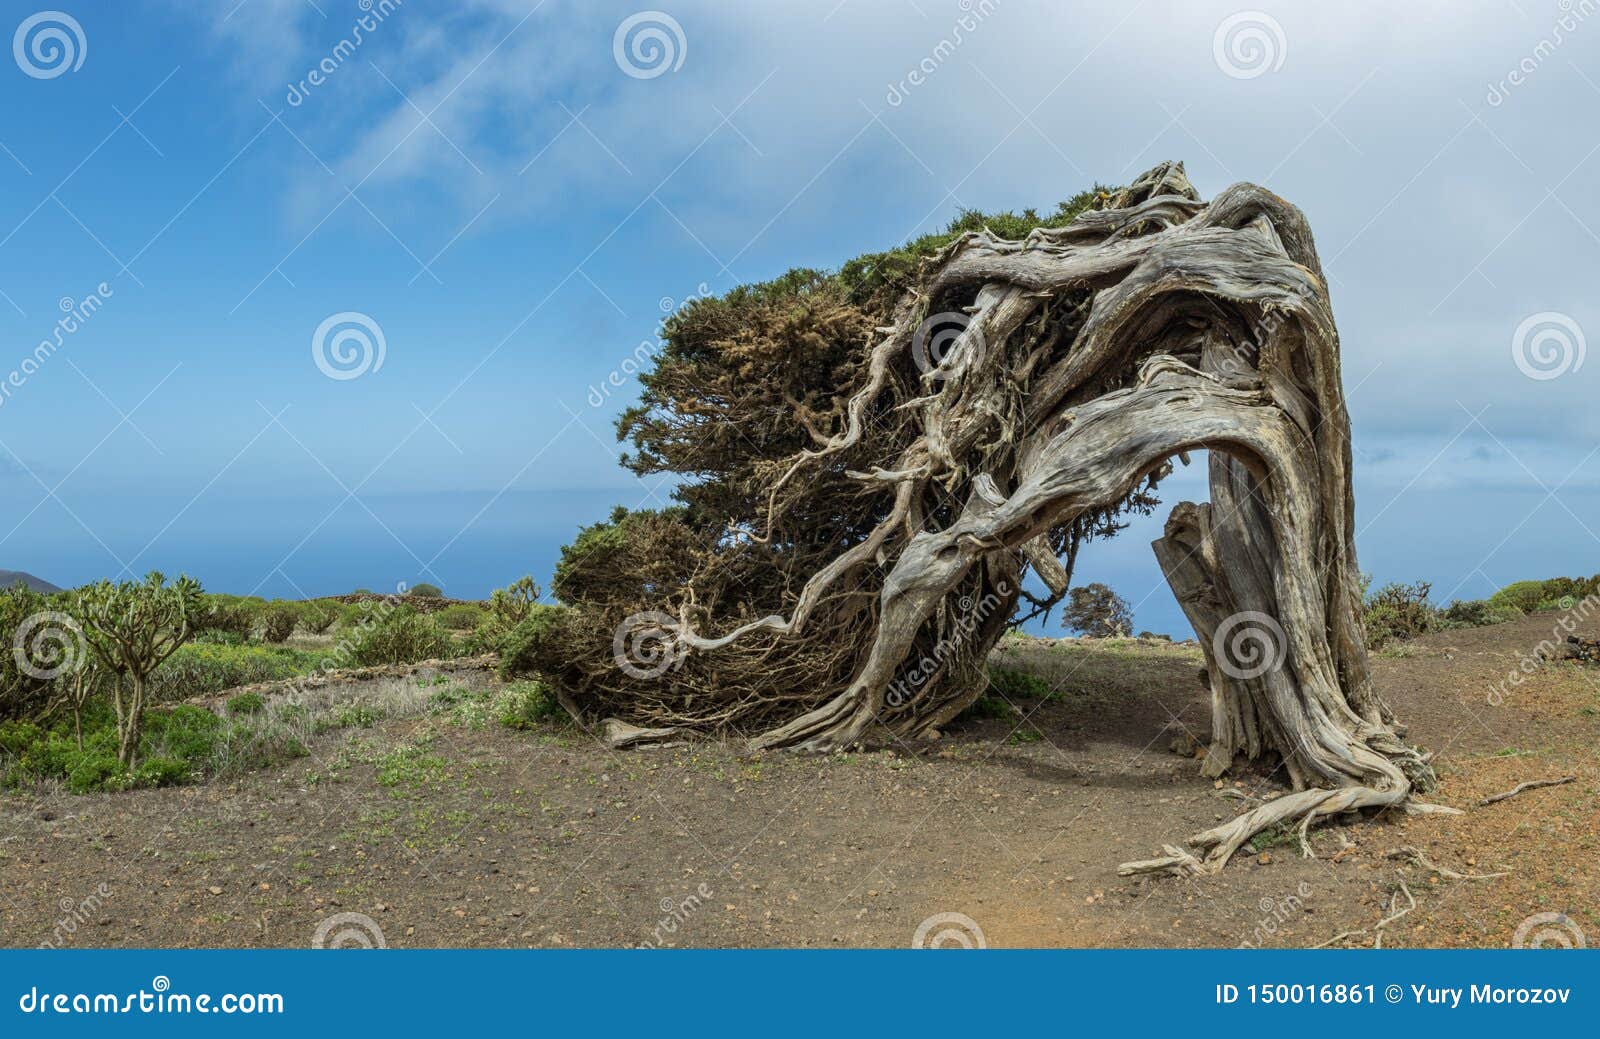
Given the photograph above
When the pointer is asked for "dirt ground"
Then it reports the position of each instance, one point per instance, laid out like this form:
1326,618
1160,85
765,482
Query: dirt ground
451,835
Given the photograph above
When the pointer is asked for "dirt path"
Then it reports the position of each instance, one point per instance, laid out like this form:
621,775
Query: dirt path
453,836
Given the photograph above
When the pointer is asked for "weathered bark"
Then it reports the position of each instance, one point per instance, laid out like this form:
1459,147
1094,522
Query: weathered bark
1196,327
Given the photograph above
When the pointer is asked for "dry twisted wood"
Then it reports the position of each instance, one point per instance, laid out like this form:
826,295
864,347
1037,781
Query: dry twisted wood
1207,326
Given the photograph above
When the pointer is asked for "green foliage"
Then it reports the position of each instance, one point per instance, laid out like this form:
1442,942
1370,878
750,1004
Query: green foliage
879,277
426,591
510,606
461,617
1524,595
175,744
201,669
131,629
987,707
1476,613
353,615
1011,684
279,620
1096,610
227,618
22,689
247,703
534,643
318,615
525,705
1398,612
403,637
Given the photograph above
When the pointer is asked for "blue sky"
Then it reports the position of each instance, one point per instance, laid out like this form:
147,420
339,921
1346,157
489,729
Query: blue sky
512,202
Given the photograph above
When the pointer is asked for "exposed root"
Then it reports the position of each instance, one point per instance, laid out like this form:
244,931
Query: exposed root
852,547
1220,842
1410,854
1532,784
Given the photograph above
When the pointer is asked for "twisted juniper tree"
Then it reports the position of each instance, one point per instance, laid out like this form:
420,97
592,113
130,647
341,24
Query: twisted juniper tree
873,459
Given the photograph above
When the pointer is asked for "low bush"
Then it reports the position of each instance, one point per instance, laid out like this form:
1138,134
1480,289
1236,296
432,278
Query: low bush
247,703
461,617
227,618
525,705
201,669
1476,613
1398,612
426,591
532,645
403,637
317,616
1524,595
1012,684
176,745
278,621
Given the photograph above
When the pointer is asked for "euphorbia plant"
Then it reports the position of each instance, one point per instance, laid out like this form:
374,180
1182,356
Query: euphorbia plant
132,628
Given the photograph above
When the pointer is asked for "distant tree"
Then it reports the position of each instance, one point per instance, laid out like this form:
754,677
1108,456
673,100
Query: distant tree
131,629
1094,609
426,591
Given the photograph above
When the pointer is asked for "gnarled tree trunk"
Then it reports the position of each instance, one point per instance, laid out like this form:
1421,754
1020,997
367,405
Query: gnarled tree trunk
1191,326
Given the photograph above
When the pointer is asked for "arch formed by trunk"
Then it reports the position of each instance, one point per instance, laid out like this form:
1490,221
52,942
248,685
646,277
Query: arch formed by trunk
1089,356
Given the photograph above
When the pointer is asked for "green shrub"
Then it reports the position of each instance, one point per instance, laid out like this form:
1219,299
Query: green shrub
403,637
22,691
1399,611
1017,685
524,705
461,617
531,644
278,621
1476,613
318,615
176,745
351,615
227,618
987,707
247,703
1524,595
201,669
510,606
426,591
